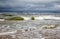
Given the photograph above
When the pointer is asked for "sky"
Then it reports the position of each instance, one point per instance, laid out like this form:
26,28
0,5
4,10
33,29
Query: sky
29,5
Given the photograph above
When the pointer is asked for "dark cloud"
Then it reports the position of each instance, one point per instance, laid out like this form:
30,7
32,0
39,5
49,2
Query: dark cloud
30,5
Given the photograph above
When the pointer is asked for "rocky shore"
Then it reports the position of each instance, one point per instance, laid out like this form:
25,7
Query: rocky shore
44,32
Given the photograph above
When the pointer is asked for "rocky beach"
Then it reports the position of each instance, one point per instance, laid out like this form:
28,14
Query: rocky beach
30,29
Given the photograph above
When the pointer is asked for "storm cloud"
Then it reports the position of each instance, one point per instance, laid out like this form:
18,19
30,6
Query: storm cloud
18,5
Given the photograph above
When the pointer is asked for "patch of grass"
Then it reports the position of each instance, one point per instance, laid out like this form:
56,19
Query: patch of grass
15,18
7,15
32,18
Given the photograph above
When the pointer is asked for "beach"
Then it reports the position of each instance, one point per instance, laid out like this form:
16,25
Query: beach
27,29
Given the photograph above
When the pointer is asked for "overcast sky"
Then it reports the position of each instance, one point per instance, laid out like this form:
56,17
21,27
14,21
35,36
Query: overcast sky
22,5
